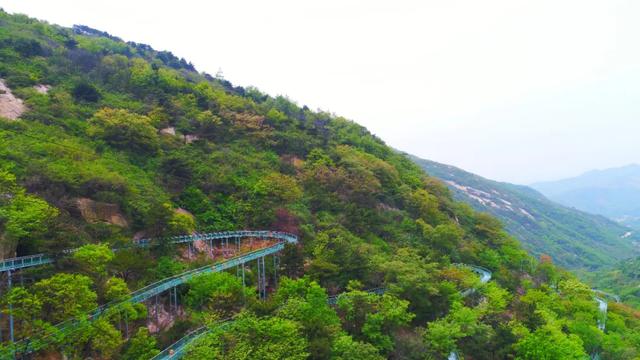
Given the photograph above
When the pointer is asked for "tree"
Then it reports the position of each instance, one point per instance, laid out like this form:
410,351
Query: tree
124,130
181,224
24,218
86,92
305,302
64,296
443,335
219,292
93,260
26,309
141,346
345,348
550,343
105,339
116,288
373,318
249,337
410,276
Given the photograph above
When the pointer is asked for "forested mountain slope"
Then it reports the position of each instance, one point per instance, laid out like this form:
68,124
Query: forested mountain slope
119,141
573,238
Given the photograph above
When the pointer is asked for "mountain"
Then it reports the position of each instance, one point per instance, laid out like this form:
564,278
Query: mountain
614,193
573,238
106,143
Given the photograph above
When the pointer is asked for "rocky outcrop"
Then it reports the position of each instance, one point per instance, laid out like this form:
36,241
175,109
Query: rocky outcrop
42,89
10,106
94,211
168,131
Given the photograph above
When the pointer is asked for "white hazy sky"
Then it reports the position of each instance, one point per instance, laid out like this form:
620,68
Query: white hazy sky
513,90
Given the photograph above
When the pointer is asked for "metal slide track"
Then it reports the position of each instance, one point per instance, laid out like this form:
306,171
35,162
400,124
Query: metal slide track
151,290
22,262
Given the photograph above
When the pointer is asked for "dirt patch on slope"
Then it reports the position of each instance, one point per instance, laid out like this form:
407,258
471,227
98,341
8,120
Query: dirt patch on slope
10,106
95,211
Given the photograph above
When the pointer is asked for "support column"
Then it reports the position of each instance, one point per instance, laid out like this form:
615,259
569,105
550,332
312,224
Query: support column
243,283
11,335
259,278
157,314
276,263
264,279
126,325
175,298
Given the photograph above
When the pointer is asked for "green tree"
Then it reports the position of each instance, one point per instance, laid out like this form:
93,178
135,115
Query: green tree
249,337
64,296
443,335
305,302
25,218
345,348
373,318
124,130
93,260
219,292
181,224
115,289
105,339
26,309
141,346
549,342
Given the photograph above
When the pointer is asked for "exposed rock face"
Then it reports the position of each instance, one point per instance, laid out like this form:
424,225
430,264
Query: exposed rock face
95,211
190,138
184,212
42,89
168,131
10,106
7,248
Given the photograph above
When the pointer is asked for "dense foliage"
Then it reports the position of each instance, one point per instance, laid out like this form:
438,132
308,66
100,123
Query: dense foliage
623,279
130,142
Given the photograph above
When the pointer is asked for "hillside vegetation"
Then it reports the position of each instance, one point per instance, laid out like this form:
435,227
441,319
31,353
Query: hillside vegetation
622,279
573,238
120,141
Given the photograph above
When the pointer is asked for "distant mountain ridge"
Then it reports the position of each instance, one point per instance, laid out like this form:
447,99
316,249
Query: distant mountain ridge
573,238
614,193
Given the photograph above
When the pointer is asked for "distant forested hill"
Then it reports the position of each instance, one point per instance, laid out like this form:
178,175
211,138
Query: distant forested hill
571,237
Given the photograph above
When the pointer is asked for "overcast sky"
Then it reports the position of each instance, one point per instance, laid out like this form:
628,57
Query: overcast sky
518,91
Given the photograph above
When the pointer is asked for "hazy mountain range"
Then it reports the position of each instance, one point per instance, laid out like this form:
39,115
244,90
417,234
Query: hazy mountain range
614,193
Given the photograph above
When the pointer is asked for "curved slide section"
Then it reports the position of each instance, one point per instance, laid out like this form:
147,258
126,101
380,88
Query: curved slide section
176,350
485,276
603,306
26,346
